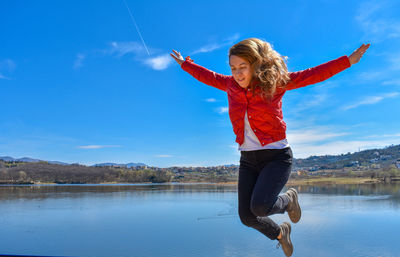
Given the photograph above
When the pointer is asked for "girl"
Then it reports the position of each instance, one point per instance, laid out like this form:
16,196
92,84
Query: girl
259,80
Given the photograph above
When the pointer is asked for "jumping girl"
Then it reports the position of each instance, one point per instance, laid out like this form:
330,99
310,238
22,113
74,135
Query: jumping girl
259,80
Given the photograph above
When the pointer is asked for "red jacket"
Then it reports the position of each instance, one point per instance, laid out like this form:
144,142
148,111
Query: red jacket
265,117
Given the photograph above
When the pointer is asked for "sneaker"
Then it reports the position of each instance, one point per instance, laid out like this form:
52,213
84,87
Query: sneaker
285,241
293,208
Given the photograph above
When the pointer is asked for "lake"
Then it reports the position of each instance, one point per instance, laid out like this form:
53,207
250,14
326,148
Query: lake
191,220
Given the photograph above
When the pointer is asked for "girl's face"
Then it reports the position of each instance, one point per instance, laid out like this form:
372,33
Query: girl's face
241,69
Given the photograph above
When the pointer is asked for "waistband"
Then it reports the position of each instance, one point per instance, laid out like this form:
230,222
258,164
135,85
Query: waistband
264,150
265,154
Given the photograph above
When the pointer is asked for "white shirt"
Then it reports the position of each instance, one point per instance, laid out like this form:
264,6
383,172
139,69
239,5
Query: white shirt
252,143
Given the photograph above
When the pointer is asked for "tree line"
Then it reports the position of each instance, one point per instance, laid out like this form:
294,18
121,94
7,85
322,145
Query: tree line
44,172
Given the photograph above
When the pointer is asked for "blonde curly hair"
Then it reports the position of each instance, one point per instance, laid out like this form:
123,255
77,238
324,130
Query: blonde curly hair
268,65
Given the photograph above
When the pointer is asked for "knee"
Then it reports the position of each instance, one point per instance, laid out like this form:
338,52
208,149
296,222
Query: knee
247,219
261,208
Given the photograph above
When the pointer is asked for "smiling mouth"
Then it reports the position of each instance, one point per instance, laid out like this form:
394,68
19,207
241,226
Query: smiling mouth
240,80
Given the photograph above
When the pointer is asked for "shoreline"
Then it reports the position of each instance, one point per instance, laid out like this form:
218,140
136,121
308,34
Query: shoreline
291,182
321,181
333,181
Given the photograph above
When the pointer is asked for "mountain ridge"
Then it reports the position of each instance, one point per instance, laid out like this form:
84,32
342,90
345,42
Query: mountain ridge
384,155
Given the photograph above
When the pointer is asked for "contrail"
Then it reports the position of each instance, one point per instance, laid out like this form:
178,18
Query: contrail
137,28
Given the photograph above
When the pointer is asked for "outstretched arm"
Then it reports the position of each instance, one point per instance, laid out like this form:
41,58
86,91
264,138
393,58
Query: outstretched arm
200,73
324,71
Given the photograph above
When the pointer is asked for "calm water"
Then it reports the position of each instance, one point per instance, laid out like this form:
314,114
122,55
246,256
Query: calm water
191,221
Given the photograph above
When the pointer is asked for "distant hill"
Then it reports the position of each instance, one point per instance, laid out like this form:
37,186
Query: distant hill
110,164
59,163
131,164
383,164
230,165
23,159
7,158
26,159
383,157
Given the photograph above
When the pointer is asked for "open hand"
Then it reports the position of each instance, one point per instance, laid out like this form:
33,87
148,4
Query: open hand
357,54
178,57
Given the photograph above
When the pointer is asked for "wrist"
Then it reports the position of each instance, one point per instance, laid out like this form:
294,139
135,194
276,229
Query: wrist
351,61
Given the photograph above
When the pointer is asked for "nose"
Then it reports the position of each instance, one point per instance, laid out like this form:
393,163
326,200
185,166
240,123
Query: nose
237,72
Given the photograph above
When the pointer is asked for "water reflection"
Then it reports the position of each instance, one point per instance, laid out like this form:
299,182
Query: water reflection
360,189
191,220
9,192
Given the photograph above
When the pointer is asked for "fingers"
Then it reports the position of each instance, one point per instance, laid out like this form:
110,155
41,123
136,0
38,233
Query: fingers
357,54
177,53
177,56
173,56
363,48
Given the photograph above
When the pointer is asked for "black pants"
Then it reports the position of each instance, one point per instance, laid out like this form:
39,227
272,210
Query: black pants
262,175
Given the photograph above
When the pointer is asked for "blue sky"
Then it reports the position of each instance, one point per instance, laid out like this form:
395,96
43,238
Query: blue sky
77,83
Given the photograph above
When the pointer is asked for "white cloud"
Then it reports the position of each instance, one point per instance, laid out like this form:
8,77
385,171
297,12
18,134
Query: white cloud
3,77
235,148
312,101
139,53
211,100
339,147
123,48
314,135
326,141
160,62
373,19
222,110
385,72
372,75
214,46
371,100
394,59
384,135
79,61
208,48
164,156
97,146
7,65
391,82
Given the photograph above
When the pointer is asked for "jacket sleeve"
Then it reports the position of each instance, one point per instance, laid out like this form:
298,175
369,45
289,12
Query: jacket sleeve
204,75
317,74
